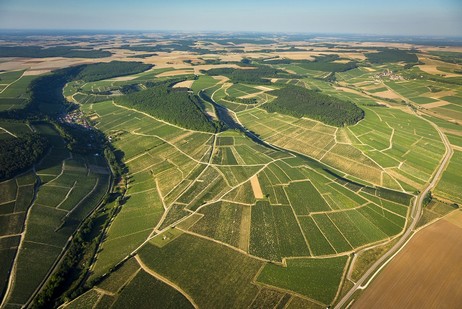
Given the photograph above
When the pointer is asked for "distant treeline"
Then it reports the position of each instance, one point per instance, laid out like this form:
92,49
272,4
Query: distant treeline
99,71
178,107
19,154
249,76
322,63
451,57
299,102
392,55
59,51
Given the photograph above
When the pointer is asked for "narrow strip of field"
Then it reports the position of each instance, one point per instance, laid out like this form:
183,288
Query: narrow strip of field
257,192
426,274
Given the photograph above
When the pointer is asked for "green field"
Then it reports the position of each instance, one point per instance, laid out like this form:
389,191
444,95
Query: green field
317,279
449,185
205,269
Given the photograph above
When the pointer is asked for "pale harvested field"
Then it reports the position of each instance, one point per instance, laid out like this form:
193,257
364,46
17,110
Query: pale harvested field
436,104
124,78
369,69
251,95
341,61
175,73
256,187
432,69
35,72
264,88
388,94
184,84
440,94
425,274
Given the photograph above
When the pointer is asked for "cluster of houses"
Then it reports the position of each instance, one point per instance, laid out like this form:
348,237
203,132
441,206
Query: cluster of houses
388,74
76,118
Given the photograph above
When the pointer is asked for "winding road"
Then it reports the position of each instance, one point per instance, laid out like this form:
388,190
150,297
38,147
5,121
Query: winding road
374,270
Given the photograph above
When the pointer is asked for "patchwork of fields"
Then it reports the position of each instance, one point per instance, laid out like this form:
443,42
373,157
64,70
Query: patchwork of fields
266,210
42,209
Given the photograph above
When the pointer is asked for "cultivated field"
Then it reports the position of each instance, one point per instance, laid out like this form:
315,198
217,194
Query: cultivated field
424,274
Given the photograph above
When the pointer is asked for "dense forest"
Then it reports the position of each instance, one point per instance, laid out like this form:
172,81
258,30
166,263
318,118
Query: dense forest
19,154
300,102
392,55
59,51
175,106
258,75
99,71
241,100
324,63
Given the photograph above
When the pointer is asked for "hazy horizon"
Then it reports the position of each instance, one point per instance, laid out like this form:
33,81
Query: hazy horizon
407,18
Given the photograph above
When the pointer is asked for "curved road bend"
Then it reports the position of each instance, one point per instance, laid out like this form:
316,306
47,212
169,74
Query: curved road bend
363,282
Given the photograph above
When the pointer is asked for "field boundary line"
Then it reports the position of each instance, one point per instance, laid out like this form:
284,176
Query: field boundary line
165,280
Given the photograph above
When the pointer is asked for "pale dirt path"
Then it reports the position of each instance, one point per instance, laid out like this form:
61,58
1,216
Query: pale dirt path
165,280
8,132
12,82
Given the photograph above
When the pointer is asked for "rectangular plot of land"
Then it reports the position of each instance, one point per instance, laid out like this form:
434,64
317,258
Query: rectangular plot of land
332,233
318,243
304,198
257,192
275,232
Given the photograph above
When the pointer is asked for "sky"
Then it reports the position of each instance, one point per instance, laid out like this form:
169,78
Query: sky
384,17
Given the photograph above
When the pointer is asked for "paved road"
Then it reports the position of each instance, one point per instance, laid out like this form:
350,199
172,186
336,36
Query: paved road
364,281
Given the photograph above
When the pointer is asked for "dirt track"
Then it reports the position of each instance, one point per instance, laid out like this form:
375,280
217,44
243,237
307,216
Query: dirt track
426,274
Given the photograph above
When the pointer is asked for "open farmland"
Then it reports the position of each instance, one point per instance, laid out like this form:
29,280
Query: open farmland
208,172
407,278
69,190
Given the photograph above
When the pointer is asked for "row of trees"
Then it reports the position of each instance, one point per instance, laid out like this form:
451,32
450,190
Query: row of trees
299,102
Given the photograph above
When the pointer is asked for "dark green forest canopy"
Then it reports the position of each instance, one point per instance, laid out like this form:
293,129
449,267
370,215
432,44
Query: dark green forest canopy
59,51
178,107
392,55
322,63
257,75
301,102
99,71
19,154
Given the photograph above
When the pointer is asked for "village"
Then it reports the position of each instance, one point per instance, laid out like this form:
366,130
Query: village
388,74
76,117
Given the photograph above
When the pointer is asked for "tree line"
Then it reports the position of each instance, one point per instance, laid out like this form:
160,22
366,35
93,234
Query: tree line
58,51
